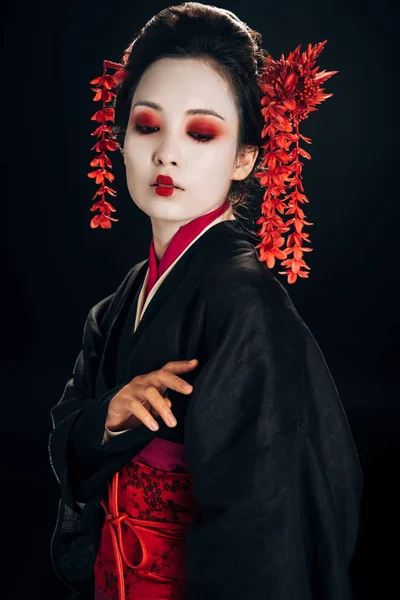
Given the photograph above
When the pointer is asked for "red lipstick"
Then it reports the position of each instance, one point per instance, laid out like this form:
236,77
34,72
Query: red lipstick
166,185
164,179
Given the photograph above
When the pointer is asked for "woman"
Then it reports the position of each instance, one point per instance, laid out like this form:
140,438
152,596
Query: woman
255,491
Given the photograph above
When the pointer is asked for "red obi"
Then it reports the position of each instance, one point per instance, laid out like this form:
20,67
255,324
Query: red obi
142,548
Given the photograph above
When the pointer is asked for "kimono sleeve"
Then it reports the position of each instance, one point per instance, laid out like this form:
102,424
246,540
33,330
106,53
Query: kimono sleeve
80,416
275,472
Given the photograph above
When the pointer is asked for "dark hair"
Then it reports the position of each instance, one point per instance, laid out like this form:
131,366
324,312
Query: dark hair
226,44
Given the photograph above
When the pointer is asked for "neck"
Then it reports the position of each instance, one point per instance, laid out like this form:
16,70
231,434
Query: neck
164,231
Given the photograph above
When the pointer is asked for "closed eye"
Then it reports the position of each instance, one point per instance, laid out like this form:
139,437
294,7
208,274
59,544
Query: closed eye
205,138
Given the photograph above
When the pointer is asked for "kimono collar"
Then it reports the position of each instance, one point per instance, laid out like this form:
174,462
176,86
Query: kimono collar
177,245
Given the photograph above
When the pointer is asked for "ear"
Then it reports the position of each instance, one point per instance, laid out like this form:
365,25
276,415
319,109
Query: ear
245,163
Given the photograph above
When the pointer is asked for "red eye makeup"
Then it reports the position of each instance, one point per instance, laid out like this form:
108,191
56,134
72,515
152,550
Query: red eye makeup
206,127
198,127
146,119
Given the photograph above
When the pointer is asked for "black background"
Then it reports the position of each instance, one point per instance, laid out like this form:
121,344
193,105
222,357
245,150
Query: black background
55,267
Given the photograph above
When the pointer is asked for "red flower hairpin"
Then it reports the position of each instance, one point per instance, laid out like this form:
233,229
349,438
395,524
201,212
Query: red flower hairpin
104,86
292,89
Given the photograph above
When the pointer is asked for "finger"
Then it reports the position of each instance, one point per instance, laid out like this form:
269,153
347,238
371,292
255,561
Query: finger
155,413
137,408
163,378
174,366
153,396
180,366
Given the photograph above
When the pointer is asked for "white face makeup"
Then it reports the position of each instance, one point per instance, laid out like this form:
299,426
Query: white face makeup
166,141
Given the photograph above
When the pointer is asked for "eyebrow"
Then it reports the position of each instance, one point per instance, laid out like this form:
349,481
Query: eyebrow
191,111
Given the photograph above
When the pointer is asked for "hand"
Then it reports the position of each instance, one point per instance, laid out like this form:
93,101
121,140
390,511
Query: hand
128,408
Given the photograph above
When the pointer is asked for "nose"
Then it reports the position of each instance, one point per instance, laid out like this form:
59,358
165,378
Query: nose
166,152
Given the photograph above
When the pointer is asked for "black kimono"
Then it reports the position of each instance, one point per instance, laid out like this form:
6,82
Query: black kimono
275,470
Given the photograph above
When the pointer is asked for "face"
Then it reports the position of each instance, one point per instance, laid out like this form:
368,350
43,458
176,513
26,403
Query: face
196,150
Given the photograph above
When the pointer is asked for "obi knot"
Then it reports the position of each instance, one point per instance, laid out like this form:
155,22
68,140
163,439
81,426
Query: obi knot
116,520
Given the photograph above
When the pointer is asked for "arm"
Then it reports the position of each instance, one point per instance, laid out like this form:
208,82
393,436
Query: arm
275,472
80,460
78,401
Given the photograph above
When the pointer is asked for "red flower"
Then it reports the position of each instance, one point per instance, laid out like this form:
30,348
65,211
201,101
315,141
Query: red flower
104,85
291,90
103,95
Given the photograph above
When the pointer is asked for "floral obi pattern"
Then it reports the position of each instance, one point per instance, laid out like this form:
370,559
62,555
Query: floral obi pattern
142,547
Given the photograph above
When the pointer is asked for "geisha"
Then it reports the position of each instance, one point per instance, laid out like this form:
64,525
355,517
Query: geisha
252,491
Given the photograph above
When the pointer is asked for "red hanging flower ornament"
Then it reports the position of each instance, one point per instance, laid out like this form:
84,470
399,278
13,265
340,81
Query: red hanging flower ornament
291,90
103,92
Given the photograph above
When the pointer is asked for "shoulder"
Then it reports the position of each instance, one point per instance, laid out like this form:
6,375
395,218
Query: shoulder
238,282
247,307
131,275
102,312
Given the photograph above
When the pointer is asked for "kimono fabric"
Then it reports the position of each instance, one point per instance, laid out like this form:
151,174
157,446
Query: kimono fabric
263,444
149,510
